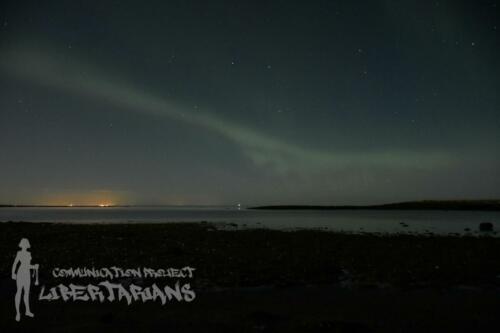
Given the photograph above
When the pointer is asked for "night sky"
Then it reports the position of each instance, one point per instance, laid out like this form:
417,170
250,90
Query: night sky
251,102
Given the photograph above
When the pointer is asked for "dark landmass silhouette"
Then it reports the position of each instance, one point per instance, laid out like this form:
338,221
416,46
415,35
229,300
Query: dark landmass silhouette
479,205
65,206
490,205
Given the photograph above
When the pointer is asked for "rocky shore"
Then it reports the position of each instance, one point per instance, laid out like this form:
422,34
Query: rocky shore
333,282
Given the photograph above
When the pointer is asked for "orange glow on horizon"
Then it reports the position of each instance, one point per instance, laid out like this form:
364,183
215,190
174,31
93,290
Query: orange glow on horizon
100,198
105,205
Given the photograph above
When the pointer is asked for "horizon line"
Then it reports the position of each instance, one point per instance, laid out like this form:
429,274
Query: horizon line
483,200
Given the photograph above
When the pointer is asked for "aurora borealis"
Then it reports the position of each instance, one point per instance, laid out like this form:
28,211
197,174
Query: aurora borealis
192,102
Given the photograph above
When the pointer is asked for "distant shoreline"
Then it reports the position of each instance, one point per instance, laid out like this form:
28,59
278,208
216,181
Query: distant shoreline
470,205
65,206
477,205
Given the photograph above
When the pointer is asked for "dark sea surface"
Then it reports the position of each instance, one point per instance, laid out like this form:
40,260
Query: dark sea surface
440,222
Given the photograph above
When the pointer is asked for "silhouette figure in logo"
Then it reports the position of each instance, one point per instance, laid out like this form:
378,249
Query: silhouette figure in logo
23,277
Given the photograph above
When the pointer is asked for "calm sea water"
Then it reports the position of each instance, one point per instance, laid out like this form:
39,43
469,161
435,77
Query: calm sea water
342,220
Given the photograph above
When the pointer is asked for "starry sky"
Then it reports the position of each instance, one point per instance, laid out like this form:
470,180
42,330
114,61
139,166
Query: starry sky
252,102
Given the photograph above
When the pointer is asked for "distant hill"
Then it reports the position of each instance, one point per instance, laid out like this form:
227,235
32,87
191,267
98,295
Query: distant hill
489,205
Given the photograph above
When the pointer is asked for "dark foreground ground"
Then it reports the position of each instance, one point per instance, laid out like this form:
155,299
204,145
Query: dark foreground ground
263,280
